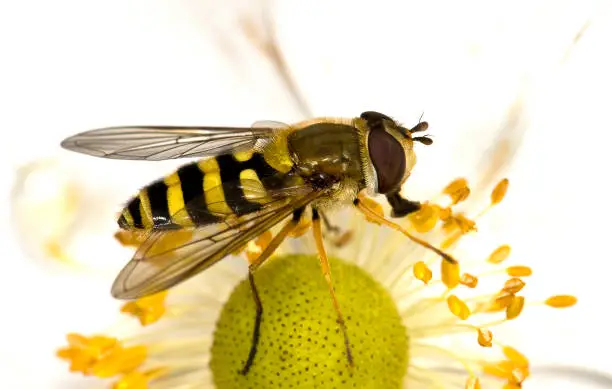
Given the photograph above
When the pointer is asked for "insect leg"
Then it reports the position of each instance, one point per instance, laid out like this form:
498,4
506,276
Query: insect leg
316,227
256,329
328,225
277,240
380,219
339,237
269,250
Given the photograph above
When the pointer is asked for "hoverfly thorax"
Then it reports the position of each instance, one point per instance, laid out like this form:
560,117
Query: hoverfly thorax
390,148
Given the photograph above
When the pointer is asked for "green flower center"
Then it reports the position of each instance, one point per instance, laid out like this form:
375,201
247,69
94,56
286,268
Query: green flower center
301,343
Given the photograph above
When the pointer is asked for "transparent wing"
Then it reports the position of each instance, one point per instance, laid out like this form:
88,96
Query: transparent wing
157,265
156,143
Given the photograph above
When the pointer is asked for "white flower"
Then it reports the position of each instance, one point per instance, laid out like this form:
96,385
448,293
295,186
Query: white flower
108,63
409,326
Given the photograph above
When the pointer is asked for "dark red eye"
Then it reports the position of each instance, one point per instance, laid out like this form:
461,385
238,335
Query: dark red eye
389,160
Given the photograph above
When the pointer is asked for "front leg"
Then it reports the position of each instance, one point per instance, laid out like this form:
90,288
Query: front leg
401,206
371,213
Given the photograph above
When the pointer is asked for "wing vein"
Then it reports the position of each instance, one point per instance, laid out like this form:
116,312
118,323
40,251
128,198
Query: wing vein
159,143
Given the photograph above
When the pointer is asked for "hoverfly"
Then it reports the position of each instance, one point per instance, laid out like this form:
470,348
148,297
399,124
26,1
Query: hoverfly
248,180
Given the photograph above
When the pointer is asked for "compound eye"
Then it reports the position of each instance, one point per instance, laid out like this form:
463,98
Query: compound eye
388,157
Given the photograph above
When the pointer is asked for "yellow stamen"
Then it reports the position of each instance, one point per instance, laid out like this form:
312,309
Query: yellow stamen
121,360
83,352
519,374
101,356
561,301
137,379
465,224
469,280
444,212
458,307
450,274
147,309
515,356
485,337
459,222
499,192
519,271
133,380
422,272
501,302
458,190
514,285
499,255
515,308
426,218
451,240
501,369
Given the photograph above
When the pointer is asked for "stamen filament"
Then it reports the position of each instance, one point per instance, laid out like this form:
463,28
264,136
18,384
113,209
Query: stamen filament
428,378
462,361
415,331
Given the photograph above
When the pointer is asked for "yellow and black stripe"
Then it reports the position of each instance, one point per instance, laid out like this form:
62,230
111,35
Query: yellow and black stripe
199,193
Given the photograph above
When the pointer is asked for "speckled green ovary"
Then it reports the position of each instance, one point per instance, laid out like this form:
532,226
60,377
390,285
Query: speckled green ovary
301,344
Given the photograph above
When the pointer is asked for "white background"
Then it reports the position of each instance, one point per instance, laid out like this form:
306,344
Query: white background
480,71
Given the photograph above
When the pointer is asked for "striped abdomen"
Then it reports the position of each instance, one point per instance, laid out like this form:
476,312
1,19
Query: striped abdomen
198,193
